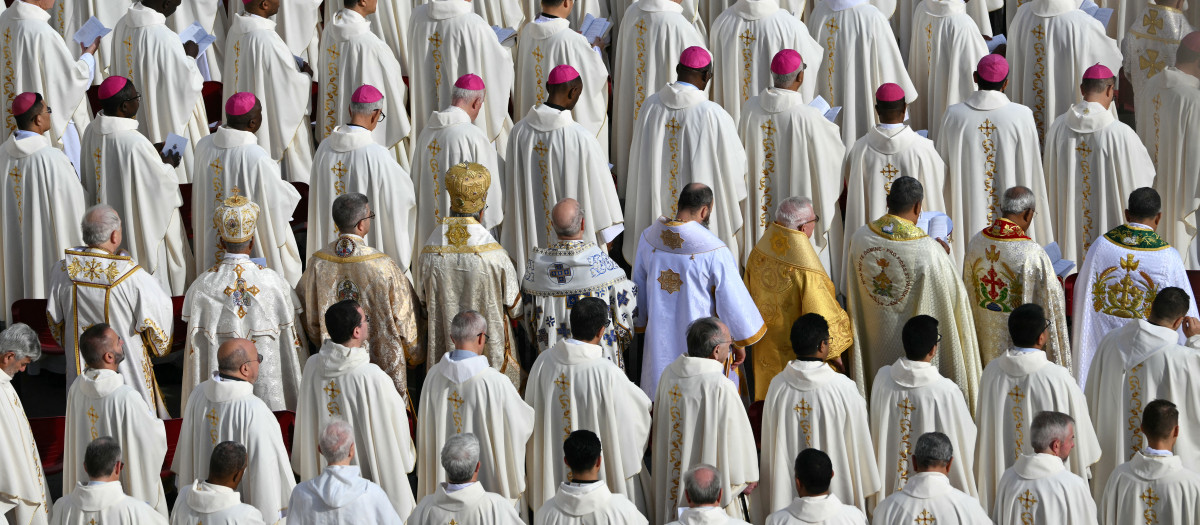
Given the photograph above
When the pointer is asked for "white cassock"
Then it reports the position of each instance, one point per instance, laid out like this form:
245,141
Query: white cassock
1051,43
149,53
341,495
258,61
351,161
446,42
108,12
929,498
810,405
860,55
24,495
1038,488
90,504
706,516
471,396
1151,485
946,47
573,387
744,39
298,24
1096,161
681,137
909,399
42,206
213,17
470,505
341,383
1135,364
699,419
1016,386
591,504
125,171
203,503
351,56
551,157
1176,114
990,144
389,22
237,298
91,286
226,410
686,258
1148,48
99,403
232,159
1116,283
547,43
826,510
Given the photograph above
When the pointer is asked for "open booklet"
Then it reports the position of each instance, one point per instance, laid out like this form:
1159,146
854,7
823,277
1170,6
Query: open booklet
1103,14
996,42
830,113
506,36
196,33
1062,267
594,28
936,224
91,30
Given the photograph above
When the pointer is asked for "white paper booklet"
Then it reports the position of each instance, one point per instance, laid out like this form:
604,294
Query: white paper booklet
196,33
594,28
830,113
996,41
174,144
1062,267
90,31
506,36
1103,14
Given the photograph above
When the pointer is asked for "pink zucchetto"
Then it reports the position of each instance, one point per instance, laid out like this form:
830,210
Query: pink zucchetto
111,86
1098,72
786,62
23,102
562,74
366,94
695,57
992,68
1191,42
240,103
469,82
889,93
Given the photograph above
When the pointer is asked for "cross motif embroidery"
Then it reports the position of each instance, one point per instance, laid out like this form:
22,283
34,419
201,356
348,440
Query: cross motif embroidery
1152,62
434,149
537,74
217,168
541,149
212,421
457,401
1152,22
339,170
989,151
560,272
925,518
1085,168
747,39
1018,414
804,410
890,172
333,392
91,414
564,402
436,53
1150,514
240,293
673,143
669,281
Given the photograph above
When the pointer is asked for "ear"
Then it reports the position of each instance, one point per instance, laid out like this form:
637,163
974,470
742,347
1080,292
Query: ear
1174,432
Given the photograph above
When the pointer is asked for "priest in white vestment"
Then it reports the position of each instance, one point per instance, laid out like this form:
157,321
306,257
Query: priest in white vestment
231,163
682,256
910,398
1147,49
341,494
699,419
681,137
42,204
224,408
99,403
810,405
126,171
928,498
215,499
24,495
340,383
1176,117
583,497
298,24
945,47
462,499
553,157
100,499
1016,386
1155,482
213,18
705,491
1092,154
390,22
814,503
1038,488
95,284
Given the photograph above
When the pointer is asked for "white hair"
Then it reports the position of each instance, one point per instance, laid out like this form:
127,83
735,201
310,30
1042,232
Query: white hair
98,224
336,440
466,325
365,108
464,95
1016,200
22,341
793,211
460,456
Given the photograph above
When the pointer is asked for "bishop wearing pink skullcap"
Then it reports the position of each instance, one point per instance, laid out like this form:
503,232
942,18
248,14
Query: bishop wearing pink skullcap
1178,113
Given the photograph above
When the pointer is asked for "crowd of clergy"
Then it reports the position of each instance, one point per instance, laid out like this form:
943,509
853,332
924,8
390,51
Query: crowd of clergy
736,261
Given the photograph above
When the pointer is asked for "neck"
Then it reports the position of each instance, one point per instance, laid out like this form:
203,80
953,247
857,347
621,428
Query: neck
1098,98
559,11
227,483
106,247
362,122
687,216
891,120
585,477
362,10
559,103
1161,444
909,215
474,349
231,377
106,479
693,80
105,366
354,343
342,463
1159,322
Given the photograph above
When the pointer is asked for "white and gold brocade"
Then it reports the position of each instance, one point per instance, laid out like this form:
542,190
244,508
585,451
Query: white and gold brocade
24,494
1147,49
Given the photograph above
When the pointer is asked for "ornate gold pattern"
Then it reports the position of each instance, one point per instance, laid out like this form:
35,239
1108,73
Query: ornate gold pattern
539,80
1085,168
457,401
764,182
237,58
669,281
241,294
804,411
339,170
1150,499
673,143
1124,297
129,55
1152,23
99,170
1157,106
639,80
10,86
15,175
889,173
906,409
928,44
1028,502
989,150
93,416
925,518
747,38
1018,413
155,338
564,402
333,406
675,457
436,53
671,239
74,268
884,288
1151,61
830,46
1136,439
541,150
213,420
458,235
332,93
1039,82
112,272
434,149
998,291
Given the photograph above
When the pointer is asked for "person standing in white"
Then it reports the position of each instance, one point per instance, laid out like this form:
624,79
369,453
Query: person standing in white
814,504
462,498
704,490
1155,482
1174,113
1148,49
583,497
215,500
1038,488
24,495
340,494
945,47
928,496
100,500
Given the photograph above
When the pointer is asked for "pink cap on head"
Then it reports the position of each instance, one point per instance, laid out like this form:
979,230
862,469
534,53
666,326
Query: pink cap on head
992,68
1191,42
366,94
889,93
240,103
469,82
23,102
695,57
1098,71
111,86
786,62
561,74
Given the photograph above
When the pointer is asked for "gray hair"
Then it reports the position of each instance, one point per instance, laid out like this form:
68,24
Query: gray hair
933,450
703,335
237,247
336,440
465,95
22,341
793,211
98,224
460,457
365,108
573,224
1016,200
1048,426
467,324
786,79
348,210
703,485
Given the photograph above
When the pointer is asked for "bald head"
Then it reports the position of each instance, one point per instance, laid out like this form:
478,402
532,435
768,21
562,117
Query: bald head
702,485
101,227
238,358
567,218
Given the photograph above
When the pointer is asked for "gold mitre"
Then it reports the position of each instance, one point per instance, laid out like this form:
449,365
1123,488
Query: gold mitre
467,183
235,218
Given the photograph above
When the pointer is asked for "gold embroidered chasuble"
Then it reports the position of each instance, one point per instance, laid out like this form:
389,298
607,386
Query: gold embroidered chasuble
1148,48
24,494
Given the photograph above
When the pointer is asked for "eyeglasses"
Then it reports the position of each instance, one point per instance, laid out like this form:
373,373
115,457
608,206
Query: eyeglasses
368,217
260,360
815,218
1048,323
939,339
486,338
382,116
366,318
131,99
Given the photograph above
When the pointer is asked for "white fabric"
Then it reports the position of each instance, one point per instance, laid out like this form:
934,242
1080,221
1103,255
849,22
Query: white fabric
469,506
543,46
706,516
108,12
213,18
203,503
590,504
95,503
1039,488
824,510
944,49
341,495
390,22
1148,48
929,496
24,495
1175,106
1148,485
298,23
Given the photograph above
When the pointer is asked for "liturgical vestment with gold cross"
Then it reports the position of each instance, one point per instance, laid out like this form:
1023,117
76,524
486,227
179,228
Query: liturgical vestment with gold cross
929,499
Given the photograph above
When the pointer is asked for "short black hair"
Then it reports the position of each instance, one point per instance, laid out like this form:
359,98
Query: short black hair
1026,323
991,86
111,104
814,470
680,69
905,193
919,335
552,3
227,458
588,317
101,457
25,120
1159,419
581,450
1097,85
694,196
350,4
1170,304
242,121
808,332
341,319
91,343
1144,203
554,89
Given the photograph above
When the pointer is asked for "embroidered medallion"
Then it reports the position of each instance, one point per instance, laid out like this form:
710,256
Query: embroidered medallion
347,290
885,276
559,273
671,239
1136,238
457,234
242,295
1125,295
998,291
779,243
344,247
669,281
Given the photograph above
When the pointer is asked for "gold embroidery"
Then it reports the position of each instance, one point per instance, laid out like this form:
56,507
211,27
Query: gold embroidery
1085,168
129,56
906,409
1039,82
764,182
541,150
804,410
112,272
1152,22
989,149
925,518
91,270
1028,501
673,143
564,402
212,422
1148,497
669,281
91,414
890,173
1136,440
1018,413
74,268
457,401
434,149
56,329
1157,107
237,57
832,26
671,239
1124,297
928,44
747,39
10,86
331,95
675,457
457,234
339,170
540,89
241,294
436,52
1152,62
155,338
99,180
333,392
15,175
639,79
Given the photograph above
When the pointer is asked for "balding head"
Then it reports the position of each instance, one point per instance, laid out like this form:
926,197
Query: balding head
567,218
695,203
703,486
337,443
100,347
101,228
238,358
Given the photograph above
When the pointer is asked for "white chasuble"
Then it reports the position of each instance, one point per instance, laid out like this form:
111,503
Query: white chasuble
826,510
91,286
148,52
990,144
908,399
549,43
213,17
1147,49
1016,386
468,395
588,504
945,48
1175,114
108,12
685,258
24,495
390,22
298,24
99,403
1151,485
681,137
1039,489
929,499
551,157
237,298
94,503
573,387
699,418
42,206
258,61
340,383
221,410
810,405
470,505
203,503
351,161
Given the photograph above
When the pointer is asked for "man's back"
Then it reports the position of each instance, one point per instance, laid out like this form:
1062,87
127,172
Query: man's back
551,42
38,60
823,510
95,503
929,498
591,504
470,505
1038,486
23,477
1176,113
1151,484
202,503
339,495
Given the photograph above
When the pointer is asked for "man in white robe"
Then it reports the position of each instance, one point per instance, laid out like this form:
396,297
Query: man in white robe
699,419
24,495
1038,488
231,163
1148,48
108,12
94,284
341,384
389,22
705,491
1175,117
100,500
583,496
341,494
1017,385
224,408
215,499
42,203
928,497
462,499
298,24
814,502
681,137
1155,482
810,405
99,403
946,46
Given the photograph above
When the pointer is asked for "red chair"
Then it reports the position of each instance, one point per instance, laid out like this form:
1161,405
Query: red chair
300,215
33,313
185,211
214,107
287,425
179,327
1069,291
173,428
49,434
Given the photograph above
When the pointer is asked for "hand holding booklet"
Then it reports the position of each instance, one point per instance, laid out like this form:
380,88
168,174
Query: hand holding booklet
821,104
91,30
196,33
